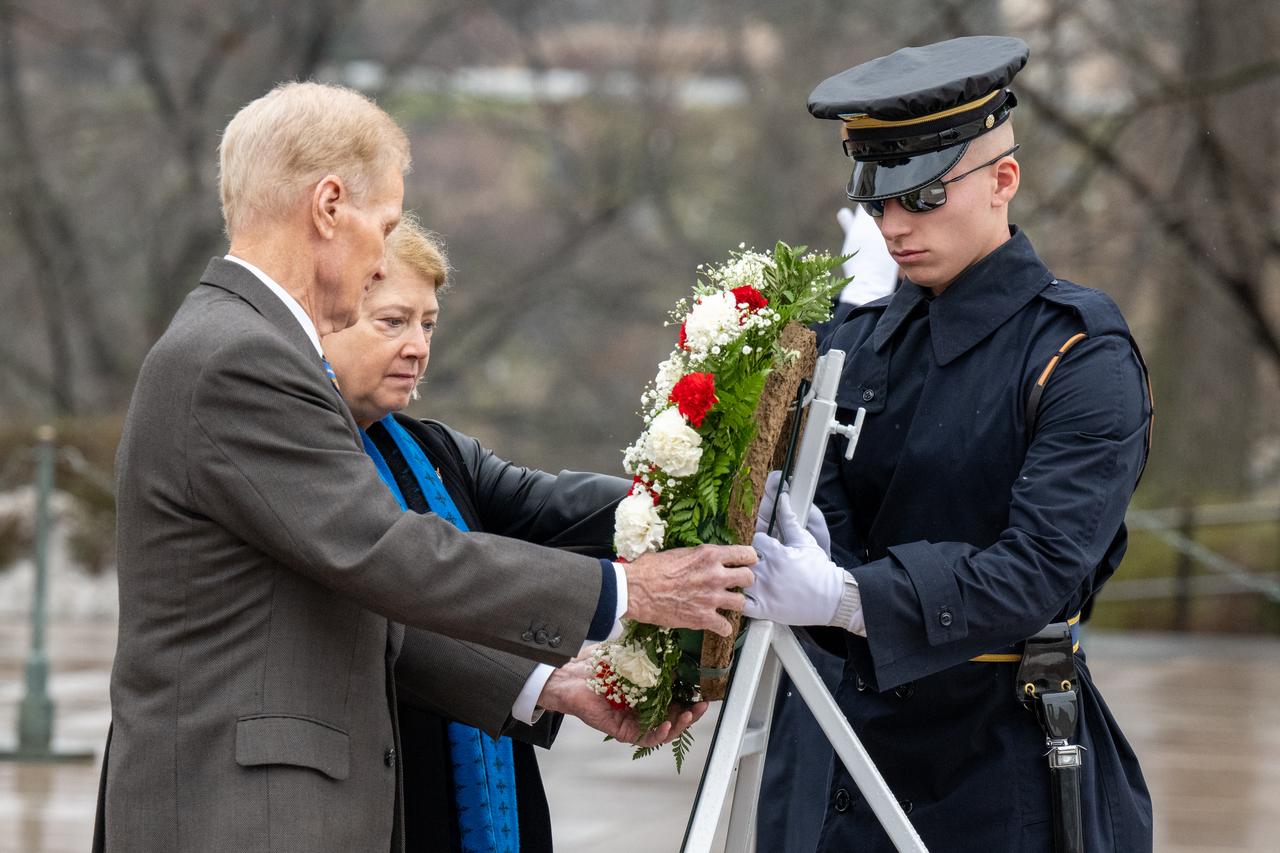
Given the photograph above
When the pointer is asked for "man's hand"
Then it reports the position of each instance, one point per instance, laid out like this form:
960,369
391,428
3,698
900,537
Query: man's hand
683,587
814,523
567,691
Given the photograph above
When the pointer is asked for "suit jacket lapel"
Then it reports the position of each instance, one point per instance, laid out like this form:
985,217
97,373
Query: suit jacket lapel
233,278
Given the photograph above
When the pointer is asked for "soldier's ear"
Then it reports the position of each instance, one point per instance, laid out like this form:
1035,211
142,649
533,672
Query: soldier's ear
1008,176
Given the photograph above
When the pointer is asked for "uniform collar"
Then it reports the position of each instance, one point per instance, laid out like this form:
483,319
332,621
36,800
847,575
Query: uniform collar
977,303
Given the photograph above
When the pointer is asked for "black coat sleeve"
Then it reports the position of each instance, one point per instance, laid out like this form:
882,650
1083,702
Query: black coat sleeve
570,510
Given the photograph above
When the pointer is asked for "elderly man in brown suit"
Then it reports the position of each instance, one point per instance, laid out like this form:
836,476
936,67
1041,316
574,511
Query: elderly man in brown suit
266,571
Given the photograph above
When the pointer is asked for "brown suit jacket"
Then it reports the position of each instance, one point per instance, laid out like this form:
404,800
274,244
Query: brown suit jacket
263,566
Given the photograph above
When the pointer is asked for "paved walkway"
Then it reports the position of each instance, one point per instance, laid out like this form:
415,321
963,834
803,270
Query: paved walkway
1202,713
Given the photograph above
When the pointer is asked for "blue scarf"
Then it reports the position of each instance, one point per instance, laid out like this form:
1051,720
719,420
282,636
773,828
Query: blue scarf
484,781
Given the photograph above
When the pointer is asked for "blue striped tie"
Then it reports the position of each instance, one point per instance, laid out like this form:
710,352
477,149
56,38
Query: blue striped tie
328,371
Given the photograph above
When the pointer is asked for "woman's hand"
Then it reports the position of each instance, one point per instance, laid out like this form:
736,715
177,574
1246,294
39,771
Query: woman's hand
567,691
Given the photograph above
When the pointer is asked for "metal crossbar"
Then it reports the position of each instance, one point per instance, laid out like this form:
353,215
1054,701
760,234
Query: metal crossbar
742,734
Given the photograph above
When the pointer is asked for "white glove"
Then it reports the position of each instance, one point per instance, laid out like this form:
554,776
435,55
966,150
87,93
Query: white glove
814,523
797,584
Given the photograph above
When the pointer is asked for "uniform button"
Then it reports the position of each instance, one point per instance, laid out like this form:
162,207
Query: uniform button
860,683
554,642
842,800
389,757
905,691
868,395
906,805
944,618
527,636
540,637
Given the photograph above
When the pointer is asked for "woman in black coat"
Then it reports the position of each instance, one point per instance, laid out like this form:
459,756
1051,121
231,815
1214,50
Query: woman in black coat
377,364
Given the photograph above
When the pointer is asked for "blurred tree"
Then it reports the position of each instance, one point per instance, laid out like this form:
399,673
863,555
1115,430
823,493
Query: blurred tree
576,209
111,112
1175,129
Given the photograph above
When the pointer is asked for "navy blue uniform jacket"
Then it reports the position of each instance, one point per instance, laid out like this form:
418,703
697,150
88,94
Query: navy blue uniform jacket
969,530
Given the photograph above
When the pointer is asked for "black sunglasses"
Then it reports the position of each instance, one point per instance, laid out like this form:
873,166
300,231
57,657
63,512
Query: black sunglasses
932,195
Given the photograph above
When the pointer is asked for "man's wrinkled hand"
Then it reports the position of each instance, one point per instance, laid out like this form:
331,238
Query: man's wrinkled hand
684,587
567,691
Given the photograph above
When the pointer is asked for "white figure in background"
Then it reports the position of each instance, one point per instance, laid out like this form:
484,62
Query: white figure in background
873,269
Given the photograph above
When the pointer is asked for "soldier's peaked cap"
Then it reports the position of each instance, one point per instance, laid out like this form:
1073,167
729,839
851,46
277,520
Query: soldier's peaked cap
909,116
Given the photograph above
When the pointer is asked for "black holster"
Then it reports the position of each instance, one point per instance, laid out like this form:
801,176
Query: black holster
1047,684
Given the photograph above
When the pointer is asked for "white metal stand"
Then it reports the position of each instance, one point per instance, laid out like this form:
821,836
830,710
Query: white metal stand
742,734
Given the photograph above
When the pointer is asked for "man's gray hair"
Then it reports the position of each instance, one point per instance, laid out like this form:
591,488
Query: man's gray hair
279,146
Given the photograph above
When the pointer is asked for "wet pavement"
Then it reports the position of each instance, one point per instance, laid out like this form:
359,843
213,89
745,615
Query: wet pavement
1203,714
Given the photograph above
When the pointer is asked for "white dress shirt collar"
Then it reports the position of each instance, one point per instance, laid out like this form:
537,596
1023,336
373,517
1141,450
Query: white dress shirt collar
292,304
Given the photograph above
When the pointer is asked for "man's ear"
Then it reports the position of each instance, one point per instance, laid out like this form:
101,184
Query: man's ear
327,196
1008,176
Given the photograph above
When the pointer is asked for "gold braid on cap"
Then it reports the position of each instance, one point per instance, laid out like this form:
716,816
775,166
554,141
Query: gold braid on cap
862,121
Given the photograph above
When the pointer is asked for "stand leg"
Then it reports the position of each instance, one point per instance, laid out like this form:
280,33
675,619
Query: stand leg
850,750
730,739
746,792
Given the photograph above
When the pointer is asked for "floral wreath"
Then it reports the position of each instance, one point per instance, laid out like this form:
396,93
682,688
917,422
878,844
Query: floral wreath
688,465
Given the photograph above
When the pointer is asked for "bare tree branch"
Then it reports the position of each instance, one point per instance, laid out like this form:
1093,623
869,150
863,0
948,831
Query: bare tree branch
506,303
1176,225
23,369
417,41
307,42
1237,284
1172,91
43,226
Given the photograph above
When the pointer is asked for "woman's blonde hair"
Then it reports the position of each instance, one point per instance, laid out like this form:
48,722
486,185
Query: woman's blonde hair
420,250
279,146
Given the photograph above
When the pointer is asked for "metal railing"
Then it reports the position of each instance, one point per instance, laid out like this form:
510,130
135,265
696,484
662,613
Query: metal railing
1176,527
35,713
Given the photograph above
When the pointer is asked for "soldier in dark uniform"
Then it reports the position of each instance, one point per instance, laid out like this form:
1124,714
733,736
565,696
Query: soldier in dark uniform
1007,424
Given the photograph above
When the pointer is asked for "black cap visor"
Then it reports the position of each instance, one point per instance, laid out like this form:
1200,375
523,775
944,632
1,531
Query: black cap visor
885,179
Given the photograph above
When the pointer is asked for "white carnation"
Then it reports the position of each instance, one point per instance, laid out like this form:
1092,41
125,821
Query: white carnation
632,662
713,316
672,444
637,527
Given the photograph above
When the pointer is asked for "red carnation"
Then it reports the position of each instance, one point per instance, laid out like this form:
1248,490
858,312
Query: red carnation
749,296
695,394
680,341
